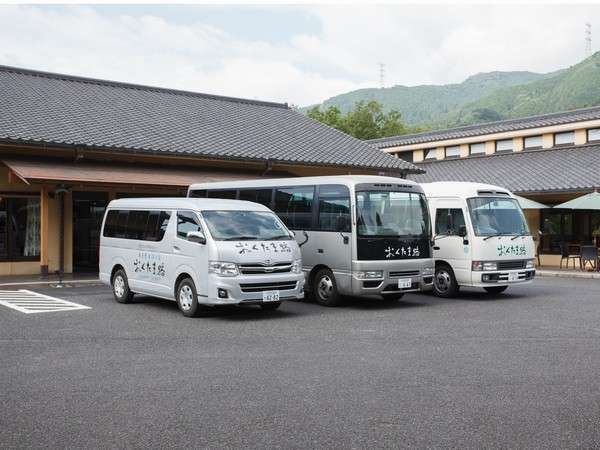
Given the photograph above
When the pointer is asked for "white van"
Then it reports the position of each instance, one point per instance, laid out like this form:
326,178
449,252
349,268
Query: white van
199,252
481,238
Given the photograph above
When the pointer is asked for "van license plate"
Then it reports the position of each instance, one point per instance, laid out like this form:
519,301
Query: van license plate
270,296
513,277
404,283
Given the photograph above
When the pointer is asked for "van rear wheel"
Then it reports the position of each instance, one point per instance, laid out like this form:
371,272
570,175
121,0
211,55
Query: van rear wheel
324,288
187,299
120,287
495,289
444,282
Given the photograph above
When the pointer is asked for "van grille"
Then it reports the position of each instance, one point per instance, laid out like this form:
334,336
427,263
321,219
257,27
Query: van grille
404,273
258,268
275,286
507,265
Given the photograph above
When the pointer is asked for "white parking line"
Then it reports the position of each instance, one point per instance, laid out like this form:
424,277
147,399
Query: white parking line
30,302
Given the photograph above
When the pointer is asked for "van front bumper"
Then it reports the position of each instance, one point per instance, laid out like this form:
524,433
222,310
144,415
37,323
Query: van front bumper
248,289
419,271
502,277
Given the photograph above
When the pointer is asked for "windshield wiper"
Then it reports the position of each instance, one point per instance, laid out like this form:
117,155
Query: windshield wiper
519,235
241,238
279,238
496,235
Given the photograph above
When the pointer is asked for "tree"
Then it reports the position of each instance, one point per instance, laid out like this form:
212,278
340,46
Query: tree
365,121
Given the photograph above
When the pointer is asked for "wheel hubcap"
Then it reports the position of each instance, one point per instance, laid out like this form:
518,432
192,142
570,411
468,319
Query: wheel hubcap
442,281
325,287
119,286
186,296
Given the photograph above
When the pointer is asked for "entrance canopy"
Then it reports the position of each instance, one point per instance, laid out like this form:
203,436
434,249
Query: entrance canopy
32,170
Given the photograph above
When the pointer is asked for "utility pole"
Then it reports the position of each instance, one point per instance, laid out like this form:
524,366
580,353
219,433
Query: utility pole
381,75
588,39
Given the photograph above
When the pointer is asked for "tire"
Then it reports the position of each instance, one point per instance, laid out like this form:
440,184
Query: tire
392,297
444,282
120,287
187,299
496,289
271,306
324,288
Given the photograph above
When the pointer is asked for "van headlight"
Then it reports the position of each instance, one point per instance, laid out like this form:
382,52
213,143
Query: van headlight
297,266
530,264
368,274
484,265
223,269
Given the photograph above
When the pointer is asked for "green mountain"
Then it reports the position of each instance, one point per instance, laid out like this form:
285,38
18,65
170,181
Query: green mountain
486,97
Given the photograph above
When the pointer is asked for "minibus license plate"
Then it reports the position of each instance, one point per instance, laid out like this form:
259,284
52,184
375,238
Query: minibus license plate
513,277
404,283
270,296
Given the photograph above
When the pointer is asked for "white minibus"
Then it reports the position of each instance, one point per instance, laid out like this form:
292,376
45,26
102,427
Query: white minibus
481,238
359,235
200,253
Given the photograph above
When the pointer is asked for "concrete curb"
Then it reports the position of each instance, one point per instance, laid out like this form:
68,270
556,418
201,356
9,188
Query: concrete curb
563,274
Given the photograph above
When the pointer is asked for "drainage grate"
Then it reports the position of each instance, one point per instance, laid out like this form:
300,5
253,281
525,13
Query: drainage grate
30,302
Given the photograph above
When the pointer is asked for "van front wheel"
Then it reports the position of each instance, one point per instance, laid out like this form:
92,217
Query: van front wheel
120,287
187,299
444,282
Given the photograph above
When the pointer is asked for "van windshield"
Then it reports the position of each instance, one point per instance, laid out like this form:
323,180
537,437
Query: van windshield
245,225
493,216
392,214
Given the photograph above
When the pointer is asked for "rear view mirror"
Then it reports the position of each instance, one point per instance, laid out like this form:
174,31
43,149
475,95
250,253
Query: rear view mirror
462,231
196,236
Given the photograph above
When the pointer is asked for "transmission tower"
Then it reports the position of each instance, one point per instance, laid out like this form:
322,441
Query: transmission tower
588,39
381,75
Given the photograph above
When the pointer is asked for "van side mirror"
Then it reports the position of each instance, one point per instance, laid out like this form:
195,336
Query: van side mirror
196,236
462,231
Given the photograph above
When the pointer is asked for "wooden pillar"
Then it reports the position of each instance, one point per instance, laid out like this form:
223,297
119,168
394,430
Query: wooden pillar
44,221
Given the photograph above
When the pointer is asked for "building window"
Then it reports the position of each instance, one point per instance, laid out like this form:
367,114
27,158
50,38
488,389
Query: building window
430,154
452,152
532,142
406,156
593,134
19,228
504,145
565,138
477,149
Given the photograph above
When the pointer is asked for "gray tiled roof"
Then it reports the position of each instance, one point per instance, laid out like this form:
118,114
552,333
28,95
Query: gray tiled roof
572,168
40,107
578,115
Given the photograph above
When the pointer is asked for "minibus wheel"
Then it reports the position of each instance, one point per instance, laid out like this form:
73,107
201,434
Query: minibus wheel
495,289
444,282
325,289
187,299
120,287
271,306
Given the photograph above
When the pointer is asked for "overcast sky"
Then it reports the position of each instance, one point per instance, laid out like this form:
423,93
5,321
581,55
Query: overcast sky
301,55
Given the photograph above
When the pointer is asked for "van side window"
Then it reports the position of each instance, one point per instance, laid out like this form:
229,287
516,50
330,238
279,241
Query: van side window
136,226
121,227
186,222
156,225
334,208
229,194
262,196
200,193
448,221
294,206
110,224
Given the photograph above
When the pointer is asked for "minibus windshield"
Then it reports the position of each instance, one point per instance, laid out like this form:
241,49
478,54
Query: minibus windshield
392,214
245,225
497,216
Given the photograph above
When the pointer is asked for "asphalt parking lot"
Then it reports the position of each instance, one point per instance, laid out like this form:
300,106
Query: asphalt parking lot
519,370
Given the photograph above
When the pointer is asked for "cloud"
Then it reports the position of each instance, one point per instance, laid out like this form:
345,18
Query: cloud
418,44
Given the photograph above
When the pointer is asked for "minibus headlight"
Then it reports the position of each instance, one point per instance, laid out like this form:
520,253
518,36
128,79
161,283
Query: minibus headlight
484,265
530,264
428,271
223,269
367,274
297,266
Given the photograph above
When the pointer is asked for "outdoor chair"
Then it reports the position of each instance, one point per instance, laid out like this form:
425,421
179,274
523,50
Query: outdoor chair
589,254
566,253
